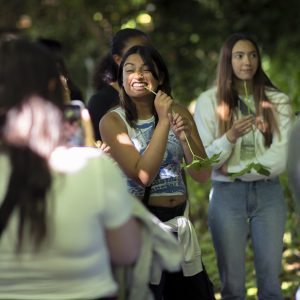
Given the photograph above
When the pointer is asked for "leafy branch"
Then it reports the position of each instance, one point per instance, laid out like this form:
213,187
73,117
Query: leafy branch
259,168
199,162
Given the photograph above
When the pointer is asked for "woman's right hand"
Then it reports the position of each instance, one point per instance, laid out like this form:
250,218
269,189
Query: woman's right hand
163,103
239,128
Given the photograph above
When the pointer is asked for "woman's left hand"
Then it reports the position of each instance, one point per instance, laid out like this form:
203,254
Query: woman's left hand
181,126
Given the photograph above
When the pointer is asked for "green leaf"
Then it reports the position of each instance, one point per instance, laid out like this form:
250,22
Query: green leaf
199,162
259,168
244,171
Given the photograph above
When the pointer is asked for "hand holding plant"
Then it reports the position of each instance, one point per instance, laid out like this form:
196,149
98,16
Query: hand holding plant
197,161
258,167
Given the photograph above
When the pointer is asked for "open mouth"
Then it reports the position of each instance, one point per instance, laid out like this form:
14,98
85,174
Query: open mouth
139,84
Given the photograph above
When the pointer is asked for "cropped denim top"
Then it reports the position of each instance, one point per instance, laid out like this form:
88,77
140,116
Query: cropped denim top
169,180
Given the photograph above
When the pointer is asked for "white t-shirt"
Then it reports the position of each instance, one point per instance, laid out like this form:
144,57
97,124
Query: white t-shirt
88,195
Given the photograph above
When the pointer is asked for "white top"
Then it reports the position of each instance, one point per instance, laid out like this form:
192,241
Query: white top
88,197
191,253
273,157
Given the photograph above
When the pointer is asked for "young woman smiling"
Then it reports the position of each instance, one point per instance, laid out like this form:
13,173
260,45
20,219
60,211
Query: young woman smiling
246,119
149,136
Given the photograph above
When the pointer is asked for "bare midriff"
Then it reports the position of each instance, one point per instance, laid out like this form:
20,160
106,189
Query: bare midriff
167,201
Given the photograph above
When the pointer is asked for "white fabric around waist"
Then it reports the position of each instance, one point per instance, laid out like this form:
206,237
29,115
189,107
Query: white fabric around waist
191,263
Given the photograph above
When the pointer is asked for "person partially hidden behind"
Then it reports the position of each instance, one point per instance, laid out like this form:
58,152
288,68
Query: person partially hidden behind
106,73
65,213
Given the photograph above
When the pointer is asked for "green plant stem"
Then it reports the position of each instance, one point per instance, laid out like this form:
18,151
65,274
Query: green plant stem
258,167
187,141
246,96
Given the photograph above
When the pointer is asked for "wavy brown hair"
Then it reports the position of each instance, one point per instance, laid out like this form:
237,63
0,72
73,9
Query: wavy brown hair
228,97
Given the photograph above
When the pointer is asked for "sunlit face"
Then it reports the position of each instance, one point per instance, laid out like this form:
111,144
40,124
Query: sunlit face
244,60
137,75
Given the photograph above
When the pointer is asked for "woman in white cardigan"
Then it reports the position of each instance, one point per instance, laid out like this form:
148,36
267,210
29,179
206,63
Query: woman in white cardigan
246,120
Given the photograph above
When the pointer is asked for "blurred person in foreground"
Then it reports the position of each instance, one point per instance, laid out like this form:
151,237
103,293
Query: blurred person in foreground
65,213
56,48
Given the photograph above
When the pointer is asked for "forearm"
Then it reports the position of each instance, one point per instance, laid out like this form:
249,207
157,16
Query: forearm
190,146
124,243
149,163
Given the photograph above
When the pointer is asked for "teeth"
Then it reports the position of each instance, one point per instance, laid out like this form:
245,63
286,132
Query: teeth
137,84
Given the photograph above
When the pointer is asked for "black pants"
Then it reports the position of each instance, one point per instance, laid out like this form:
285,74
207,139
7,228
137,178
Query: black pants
167,213
174,286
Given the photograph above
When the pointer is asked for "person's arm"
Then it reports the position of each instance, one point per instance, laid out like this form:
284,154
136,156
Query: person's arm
122,230
142,168
274,157
293,164
205,117
124,242
186,130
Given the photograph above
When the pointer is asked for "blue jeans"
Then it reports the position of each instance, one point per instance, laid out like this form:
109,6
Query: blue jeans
235,210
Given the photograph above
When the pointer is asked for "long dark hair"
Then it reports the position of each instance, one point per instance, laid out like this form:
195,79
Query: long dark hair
158,68
228,97
31,118
106,70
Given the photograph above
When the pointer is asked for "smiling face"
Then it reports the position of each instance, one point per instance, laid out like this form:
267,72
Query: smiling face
244,60
137,75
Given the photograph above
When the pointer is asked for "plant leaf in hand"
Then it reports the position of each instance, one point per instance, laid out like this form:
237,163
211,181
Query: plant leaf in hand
246,170
199,162
259,168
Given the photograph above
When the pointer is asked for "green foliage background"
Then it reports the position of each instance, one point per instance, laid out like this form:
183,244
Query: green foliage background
189,35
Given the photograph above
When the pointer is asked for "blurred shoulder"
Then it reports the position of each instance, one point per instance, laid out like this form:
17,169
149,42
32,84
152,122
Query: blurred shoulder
208,94
75,159
277,96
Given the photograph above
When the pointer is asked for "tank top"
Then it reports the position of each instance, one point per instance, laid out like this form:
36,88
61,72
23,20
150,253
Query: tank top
169,180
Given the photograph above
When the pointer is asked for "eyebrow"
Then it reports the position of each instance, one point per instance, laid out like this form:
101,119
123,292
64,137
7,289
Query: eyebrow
128,63
132,64
236,52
